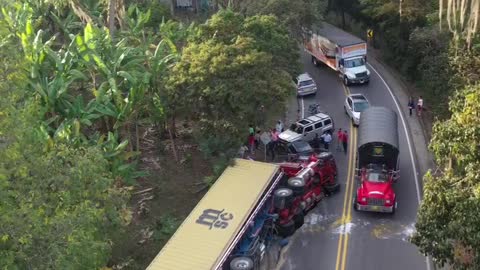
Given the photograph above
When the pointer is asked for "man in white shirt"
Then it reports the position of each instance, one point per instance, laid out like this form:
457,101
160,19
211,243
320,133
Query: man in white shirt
327,139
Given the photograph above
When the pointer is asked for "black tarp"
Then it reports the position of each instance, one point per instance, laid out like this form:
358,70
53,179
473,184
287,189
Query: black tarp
337,35
378,138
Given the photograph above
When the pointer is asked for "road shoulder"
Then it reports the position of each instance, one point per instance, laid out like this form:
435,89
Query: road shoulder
423,156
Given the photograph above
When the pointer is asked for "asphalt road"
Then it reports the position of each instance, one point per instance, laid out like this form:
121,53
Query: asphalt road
334,237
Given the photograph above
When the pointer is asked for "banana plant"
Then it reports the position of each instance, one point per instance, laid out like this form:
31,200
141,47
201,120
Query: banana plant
115,151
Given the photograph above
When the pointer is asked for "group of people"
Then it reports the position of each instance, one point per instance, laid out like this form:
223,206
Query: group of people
254,134
418,107
247,151
326,139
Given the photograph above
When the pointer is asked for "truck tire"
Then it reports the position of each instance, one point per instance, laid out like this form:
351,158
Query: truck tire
355,207
345,81
299,220
297,185
287,229
333,188
241,263
314,61
282,198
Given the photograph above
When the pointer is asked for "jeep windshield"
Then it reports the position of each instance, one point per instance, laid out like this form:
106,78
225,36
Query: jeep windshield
377,177
296,128
306,83
357,62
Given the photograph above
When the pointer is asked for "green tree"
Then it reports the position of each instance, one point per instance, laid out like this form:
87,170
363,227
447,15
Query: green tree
447,223
225,75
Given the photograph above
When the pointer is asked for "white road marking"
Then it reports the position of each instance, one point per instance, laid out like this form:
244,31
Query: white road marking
415,173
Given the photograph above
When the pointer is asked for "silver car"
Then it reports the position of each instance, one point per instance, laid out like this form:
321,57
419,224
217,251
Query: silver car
305,85
354,105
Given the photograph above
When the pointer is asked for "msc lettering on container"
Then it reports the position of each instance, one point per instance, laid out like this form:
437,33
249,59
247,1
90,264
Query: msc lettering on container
214,218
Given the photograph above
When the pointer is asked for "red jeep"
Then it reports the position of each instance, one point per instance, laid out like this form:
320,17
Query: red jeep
305,184
376,190
377,161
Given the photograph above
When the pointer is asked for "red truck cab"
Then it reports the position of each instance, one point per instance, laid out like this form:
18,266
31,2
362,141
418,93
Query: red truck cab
376,192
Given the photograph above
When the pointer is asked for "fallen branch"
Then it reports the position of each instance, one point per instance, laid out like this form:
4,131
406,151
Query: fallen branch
143,191
146,199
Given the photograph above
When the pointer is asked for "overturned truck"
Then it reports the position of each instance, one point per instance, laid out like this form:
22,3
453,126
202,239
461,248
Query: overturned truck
377,161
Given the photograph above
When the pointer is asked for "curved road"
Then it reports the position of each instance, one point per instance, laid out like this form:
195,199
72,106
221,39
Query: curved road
334,237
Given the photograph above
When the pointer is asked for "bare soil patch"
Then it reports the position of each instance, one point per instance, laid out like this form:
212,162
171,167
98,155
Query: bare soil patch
162,200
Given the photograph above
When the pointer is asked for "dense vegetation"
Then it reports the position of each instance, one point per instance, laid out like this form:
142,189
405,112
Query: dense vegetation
80,80
435,45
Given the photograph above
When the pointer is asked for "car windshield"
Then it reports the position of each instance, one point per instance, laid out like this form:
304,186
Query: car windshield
360,106
296,128
302,147
354,63
306,83
377,177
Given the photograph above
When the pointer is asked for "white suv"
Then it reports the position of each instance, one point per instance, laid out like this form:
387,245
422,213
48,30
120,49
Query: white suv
305,85
306,129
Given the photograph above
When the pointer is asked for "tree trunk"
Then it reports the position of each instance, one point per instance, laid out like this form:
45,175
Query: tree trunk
137,136
172,139
111,17
400,11
173,4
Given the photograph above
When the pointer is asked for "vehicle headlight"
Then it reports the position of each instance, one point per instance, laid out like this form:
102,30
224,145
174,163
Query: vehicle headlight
364,199
350,76
388,201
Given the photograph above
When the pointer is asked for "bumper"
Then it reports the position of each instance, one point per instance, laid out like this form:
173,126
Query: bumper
307,92
375,208
356,121
359,80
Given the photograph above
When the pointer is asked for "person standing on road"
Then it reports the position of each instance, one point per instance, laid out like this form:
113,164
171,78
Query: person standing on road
251,144
257,139
345,141
411,105
279,126
420,106
251,130
327,139
339,139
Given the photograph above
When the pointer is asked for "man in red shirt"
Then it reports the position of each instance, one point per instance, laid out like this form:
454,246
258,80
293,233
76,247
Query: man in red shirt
345,141
339,139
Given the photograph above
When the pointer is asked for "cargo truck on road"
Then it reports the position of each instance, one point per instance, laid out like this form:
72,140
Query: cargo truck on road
377,161
341,51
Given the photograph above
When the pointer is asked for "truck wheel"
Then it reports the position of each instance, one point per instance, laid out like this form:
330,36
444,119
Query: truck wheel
297,185
393,209
345,81
241,263
282,198
355,207
332,188
287,229
314,61
299,220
